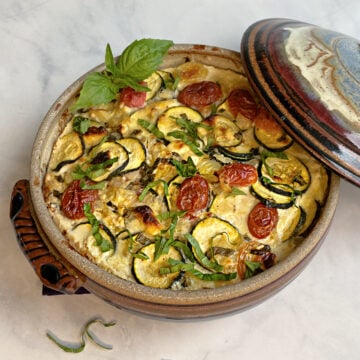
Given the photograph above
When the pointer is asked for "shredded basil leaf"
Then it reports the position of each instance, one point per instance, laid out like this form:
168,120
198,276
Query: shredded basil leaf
151,128
101,242
252,268
187,169
203,259
152,184
177,265
85,333
81,124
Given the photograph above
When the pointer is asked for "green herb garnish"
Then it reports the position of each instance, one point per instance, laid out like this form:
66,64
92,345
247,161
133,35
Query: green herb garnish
177,265
252,268
85,333
235,192
101,242
203,259
92,171
137,62
151,185
187,169
151,128
81,124
269,154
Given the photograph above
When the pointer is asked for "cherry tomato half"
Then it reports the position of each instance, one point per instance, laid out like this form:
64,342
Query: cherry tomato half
132,98
241,101
200,94
193,194
238,174
262,220
74,198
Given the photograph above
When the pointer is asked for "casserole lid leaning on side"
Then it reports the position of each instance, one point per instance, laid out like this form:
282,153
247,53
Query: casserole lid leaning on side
309,79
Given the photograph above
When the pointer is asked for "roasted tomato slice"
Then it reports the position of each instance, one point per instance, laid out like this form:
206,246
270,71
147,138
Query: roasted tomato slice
193,194
237,174
241,101
262,220
132,98
200,94
74,198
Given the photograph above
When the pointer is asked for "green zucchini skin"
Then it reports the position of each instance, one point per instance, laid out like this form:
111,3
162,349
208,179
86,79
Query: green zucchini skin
107,151
270,198
147,271
290,176
280,143
136,153
72,146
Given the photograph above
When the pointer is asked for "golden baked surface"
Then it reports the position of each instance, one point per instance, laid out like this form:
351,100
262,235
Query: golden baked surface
190,185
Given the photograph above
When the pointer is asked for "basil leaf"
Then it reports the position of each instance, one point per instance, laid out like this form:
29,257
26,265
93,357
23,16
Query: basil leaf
142,57
252,268
177,265
77,348
203,259
187,169
101,242
235,192
151,128
81,124
109,60
97,89
150,185
187,139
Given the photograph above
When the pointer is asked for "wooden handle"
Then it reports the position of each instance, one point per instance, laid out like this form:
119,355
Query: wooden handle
54,272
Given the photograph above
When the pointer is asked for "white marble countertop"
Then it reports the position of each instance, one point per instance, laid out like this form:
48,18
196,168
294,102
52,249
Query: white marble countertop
46,45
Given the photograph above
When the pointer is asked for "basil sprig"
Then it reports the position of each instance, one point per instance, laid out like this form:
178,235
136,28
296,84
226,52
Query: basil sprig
86,333
185,169
104,244
177,265
137,62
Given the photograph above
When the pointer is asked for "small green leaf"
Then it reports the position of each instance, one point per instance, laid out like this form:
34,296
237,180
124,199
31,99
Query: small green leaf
235,192
151,128
142,57
79,347
204,260
97,89
152,184
81,124
187,169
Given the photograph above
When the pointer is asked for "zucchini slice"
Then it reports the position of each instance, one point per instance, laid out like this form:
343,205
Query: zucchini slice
270,134
290,222
154,83
147,270
219,241
173,191
224,131
67,150
271,198
287,176
106,160
170,120
136,152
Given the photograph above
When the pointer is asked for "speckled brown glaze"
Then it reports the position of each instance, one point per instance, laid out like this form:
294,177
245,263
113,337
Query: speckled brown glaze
52,272
309,79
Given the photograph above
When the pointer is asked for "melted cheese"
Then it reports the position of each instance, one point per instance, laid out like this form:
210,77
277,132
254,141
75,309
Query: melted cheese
120,195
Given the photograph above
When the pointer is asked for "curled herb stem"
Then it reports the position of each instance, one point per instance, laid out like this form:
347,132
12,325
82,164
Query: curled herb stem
85,334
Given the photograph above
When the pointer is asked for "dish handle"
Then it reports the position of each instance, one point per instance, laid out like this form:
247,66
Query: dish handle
54,271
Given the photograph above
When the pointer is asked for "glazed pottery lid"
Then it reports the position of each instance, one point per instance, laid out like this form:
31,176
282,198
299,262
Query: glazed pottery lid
309,79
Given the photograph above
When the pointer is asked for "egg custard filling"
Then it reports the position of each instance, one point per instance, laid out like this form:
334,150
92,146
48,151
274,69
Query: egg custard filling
189,185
